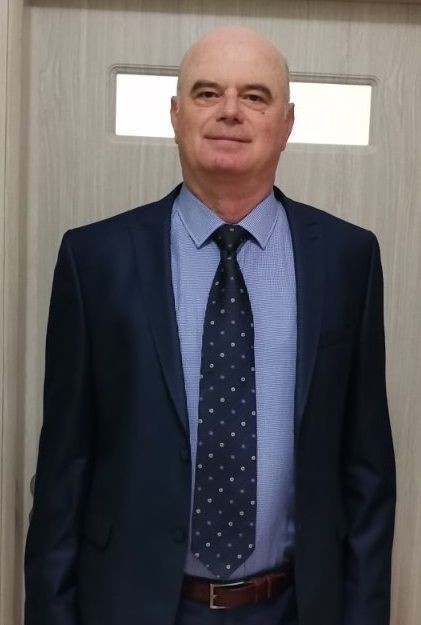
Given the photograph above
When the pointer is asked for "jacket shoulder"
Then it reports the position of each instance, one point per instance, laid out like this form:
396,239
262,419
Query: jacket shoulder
331,224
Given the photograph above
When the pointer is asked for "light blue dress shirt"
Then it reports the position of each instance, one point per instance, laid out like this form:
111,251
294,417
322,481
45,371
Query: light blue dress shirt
267,264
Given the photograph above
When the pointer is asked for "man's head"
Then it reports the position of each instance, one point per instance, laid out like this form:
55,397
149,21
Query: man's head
232,116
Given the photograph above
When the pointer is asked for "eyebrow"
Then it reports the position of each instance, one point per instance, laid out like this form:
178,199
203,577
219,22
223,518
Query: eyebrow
208,84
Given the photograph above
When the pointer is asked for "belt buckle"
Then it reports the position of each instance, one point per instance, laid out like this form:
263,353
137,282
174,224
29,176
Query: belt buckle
212,595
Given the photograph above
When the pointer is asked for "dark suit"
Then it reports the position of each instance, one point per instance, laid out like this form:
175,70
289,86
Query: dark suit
107,541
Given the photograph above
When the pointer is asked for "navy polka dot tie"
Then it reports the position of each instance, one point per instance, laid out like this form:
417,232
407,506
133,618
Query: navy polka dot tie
224,510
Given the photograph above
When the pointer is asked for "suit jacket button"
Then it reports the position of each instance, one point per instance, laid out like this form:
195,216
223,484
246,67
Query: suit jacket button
185,454
179,535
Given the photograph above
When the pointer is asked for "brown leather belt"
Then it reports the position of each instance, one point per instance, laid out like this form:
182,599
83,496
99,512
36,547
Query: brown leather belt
236,594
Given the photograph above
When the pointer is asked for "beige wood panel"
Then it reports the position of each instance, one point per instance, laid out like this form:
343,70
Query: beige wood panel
187,5
10,76
4,19
76,171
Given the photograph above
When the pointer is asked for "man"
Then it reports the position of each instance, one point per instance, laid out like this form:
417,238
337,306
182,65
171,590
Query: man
216,445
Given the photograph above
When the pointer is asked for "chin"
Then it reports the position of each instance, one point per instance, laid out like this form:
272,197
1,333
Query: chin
229,165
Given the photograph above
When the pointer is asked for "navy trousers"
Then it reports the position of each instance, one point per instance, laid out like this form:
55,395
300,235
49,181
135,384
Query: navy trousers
278,611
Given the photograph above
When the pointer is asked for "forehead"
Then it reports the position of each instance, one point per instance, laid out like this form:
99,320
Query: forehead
233,64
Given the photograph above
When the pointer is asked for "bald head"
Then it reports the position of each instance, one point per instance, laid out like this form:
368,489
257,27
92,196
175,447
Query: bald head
234,43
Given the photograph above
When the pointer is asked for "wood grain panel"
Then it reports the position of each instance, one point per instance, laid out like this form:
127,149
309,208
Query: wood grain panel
4,20
77,172
191,6
10,428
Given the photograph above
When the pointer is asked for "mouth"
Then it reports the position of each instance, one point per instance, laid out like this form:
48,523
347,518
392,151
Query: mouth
227,138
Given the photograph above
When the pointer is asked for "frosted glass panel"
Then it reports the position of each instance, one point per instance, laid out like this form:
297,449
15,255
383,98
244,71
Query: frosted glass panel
331,113
143,105
325,113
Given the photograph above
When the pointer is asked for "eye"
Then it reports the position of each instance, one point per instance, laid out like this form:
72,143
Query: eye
207,95
254,97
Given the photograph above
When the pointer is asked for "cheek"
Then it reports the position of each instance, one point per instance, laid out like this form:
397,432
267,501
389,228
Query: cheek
189,130
276,134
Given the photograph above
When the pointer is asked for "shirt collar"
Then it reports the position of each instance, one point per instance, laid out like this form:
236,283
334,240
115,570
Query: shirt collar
200,221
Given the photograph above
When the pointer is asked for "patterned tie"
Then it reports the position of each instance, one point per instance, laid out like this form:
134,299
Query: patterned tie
224,511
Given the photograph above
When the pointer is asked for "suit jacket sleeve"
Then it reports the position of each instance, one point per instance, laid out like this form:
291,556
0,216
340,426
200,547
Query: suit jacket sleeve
65,455
369,470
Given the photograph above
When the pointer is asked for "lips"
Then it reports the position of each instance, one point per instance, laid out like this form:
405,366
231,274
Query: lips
226,138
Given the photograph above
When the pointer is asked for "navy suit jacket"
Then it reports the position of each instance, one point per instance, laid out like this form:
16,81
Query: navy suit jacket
108,537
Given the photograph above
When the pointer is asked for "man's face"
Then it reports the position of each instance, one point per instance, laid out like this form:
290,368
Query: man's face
231,115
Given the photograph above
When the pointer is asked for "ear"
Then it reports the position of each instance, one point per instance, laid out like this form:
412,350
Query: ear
174,114
289,123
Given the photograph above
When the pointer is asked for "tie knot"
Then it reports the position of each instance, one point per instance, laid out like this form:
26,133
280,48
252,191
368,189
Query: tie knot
228,237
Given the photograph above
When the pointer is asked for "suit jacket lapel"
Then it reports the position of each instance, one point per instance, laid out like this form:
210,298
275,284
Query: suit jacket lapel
309,272
151,229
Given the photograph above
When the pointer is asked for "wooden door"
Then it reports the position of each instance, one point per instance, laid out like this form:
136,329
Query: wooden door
73,170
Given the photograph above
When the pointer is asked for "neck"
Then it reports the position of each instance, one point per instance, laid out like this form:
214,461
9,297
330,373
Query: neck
231,200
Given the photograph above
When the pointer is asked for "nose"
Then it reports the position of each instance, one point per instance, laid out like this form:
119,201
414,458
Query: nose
230,109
